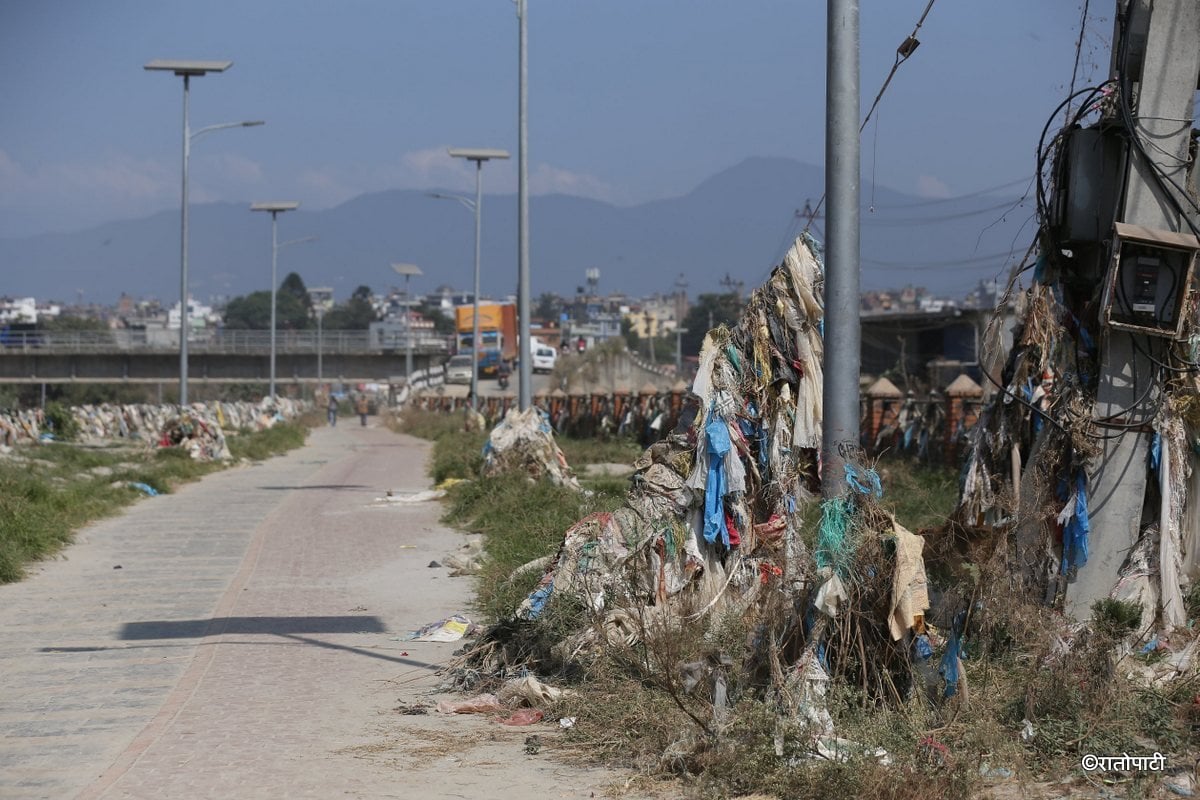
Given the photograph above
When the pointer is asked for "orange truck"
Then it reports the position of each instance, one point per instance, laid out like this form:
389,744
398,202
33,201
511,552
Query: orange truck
497,333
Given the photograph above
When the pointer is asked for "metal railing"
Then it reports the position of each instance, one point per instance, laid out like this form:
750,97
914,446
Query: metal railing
221,342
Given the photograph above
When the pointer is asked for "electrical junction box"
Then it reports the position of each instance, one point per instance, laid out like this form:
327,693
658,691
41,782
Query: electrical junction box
1148,279
1091,167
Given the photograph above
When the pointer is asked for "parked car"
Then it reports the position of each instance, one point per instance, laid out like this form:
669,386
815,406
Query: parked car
458,369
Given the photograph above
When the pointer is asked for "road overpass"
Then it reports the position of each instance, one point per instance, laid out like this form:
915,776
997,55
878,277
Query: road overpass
225,356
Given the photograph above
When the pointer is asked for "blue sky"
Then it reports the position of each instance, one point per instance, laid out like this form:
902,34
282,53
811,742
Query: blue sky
630,100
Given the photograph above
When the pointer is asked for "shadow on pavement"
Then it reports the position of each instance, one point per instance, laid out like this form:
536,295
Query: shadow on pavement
356,487
294,639
278,626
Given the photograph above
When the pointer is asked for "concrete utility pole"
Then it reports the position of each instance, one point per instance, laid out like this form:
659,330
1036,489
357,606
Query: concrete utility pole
839,439
1163,104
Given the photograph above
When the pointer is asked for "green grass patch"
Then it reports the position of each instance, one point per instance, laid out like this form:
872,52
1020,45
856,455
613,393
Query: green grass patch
457,453
260,445
431,425
580,452
919,495
47,492
521,522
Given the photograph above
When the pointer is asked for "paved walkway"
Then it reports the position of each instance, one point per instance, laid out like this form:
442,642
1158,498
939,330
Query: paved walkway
234,640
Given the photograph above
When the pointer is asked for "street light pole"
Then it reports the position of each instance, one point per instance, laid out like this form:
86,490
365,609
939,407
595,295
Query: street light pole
478,156
525,381
320,316
275,208
407,270
187,69
183,248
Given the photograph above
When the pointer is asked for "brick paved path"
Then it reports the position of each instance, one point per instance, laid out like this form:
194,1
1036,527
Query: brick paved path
244,647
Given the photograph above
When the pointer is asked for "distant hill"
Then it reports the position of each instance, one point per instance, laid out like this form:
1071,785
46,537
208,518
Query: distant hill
737,221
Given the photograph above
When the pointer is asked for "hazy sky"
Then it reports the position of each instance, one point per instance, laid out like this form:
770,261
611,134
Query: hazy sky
630,100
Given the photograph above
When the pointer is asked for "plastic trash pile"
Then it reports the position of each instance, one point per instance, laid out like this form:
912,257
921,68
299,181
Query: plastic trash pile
713,521
517,699
524,442
1034,454
199,429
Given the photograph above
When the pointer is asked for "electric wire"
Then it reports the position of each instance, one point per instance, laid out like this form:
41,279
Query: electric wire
1078,51
956,198
903,53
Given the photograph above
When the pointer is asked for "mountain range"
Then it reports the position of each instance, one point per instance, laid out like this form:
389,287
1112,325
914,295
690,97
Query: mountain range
737,222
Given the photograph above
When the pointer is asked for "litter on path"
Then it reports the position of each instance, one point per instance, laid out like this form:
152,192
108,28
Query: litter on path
450,629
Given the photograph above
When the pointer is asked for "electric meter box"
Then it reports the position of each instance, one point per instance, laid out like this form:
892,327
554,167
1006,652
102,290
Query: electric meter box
1148,279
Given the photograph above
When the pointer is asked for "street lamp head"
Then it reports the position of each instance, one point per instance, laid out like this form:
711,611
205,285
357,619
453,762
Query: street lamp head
254,123
407,269
187,67
276,206
477,153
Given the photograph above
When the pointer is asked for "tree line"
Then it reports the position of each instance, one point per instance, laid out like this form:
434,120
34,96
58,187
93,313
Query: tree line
294,309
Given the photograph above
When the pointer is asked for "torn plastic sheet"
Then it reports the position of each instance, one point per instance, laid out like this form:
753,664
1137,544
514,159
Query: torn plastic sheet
479,704
528,690
523,441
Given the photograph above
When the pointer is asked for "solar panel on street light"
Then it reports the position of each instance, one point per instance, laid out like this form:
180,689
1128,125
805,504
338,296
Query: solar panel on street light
187,67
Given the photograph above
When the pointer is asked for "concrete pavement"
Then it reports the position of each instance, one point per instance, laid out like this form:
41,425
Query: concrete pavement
234,640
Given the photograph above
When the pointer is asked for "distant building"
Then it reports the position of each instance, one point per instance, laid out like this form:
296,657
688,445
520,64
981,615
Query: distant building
19,310
599,327
199,316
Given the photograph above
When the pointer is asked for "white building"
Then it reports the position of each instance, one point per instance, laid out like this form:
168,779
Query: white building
199,316
21,310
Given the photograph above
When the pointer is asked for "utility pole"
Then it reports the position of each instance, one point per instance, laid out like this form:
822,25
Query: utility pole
733,287
839,436
809,214
681,286
1165,38
680,312
650,336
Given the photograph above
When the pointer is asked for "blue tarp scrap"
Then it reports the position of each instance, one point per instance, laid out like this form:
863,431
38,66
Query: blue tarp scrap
1038,417
537,601
923,648
949,666
1078,527
144,488
717,434
863,480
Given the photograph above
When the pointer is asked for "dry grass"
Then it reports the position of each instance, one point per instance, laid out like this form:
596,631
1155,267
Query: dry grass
633,709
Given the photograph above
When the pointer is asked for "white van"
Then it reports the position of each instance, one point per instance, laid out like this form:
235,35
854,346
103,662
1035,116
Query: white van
543,357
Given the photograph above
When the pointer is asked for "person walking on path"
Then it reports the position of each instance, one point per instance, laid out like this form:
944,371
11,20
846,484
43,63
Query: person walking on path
332,410
364,408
